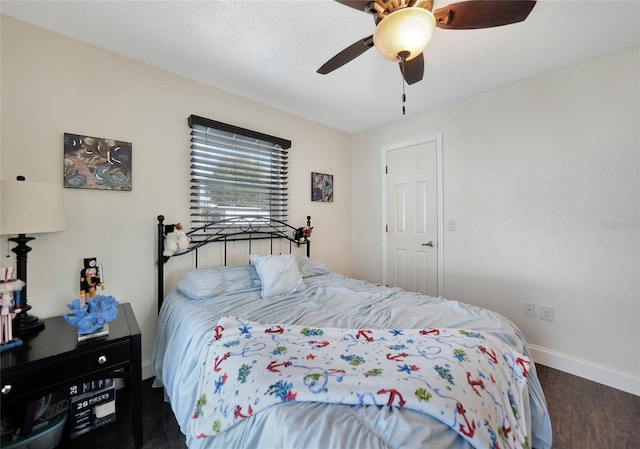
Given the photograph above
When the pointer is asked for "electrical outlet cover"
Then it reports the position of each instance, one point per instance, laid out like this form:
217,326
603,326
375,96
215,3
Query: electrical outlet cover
529,309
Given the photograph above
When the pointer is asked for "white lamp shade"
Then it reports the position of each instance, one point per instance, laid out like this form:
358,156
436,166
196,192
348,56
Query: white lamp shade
31,208
407,29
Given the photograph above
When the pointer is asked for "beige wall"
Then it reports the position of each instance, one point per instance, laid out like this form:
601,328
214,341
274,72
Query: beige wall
542,178
52,84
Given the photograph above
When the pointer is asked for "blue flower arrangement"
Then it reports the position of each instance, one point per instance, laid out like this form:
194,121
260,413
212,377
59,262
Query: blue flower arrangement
91,317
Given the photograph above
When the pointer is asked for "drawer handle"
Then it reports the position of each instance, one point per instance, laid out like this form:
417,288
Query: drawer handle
102,359
6,389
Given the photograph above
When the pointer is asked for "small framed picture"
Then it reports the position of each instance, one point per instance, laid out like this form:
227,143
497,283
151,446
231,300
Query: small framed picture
96,163
321,187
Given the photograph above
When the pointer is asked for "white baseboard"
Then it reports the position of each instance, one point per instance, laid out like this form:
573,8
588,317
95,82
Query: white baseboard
586,370
147,372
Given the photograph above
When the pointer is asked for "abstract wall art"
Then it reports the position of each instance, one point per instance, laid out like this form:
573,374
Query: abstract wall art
96,163
321,187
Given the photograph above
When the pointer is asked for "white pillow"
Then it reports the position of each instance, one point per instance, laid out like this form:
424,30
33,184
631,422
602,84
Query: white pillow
279,275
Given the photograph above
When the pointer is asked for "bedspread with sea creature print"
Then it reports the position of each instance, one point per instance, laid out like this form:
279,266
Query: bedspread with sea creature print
470,381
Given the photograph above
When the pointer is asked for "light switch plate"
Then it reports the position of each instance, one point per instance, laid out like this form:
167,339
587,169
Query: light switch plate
546,313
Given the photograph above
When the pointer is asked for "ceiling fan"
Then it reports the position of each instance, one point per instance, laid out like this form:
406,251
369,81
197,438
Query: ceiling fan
404,28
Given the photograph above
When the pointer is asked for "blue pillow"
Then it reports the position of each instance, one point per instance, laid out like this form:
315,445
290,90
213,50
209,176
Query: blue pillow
309,267
202,283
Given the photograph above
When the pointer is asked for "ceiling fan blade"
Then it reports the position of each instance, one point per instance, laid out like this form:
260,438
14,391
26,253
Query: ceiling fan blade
413,69
355,4
476,14
348,54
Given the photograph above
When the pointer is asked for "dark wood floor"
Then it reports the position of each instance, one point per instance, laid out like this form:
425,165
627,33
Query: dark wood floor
588,415
584,415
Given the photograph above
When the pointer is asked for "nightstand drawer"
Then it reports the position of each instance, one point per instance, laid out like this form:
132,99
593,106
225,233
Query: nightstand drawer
47,374
100,358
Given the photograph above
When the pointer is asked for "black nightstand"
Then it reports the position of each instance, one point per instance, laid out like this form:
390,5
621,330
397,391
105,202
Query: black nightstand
54,359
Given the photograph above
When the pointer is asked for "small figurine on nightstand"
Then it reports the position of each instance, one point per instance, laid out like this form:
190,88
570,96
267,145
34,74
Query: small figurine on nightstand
10,289
91,277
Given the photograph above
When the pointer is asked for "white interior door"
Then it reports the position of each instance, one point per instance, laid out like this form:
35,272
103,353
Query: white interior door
412,218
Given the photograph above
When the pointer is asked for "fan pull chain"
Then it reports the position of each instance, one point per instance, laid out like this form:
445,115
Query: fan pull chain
404,98
403,58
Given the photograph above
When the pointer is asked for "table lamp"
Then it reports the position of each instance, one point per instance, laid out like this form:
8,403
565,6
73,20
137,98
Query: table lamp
29,208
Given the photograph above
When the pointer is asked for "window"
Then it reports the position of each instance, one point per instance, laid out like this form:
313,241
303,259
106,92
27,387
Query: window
236,172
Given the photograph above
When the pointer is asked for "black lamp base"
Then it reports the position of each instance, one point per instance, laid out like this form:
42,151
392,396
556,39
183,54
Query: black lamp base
25,324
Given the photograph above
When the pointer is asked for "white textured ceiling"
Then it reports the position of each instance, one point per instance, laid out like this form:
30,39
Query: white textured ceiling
269,51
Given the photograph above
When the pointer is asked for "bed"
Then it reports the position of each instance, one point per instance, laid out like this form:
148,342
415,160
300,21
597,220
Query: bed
280,353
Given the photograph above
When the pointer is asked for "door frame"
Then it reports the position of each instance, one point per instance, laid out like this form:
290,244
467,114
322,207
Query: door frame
437,138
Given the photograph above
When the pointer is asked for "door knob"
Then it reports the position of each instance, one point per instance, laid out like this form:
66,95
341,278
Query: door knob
429,243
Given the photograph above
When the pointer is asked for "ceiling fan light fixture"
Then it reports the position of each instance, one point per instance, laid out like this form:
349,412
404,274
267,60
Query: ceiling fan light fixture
404,30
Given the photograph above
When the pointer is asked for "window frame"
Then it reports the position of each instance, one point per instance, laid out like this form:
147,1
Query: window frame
254,168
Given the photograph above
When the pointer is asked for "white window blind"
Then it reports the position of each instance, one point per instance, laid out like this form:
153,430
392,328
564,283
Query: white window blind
236,172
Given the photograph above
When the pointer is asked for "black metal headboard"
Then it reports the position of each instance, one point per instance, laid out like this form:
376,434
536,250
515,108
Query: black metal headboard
247,228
